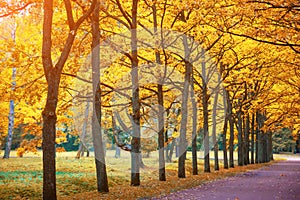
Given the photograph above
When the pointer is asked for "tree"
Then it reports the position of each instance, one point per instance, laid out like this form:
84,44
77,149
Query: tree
160,98
214,128
102,183
194,133
205,102
53,74
11,114
136,134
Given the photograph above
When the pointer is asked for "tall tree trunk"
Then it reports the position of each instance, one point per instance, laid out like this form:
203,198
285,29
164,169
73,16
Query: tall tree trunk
166,139
270,147
246,140
53,74
11,115
214,130
162,170
205,98
256,143
102,182
136,135
160,97
49,112
11,118
260,138
225,127
194,133
231,129
48,143
265,148
252,137
240,138
184,110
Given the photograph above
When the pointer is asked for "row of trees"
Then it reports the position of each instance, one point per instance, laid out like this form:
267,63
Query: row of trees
165,66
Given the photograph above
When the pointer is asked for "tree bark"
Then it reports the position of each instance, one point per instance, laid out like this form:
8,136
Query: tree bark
194,133
10,128
102,182
252,137
260,138
205,98
214,130
246,140
225,127
49,135
270,147
162,170
231,129
240,138
184,111
49,112
136,141
11,115
53,74
160,98
256,143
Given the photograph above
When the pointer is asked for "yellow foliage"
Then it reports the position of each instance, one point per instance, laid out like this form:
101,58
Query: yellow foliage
60,149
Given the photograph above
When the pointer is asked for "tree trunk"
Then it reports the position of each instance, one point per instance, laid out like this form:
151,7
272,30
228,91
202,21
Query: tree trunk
231,129
162,170
53,75
167,151
184,111
194,133
260,138
270,146
240,138
166,139
246,140
102,182
252,138
136,134
256,143
49,112
10,128
265,147
11,115
49,135
225,127
214,130
160,98
205,98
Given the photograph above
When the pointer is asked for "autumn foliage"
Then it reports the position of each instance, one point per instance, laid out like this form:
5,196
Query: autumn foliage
170,71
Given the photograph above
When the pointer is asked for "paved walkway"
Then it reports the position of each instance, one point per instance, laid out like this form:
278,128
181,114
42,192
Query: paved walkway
278,181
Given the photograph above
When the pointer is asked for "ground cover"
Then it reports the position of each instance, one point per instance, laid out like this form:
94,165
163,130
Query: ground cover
21,178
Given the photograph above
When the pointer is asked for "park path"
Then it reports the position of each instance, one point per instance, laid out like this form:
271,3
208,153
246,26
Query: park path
278,181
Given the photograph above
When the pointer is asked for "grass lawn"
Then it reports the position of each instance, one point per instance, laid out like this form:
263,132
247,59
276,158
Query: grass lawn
21,178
